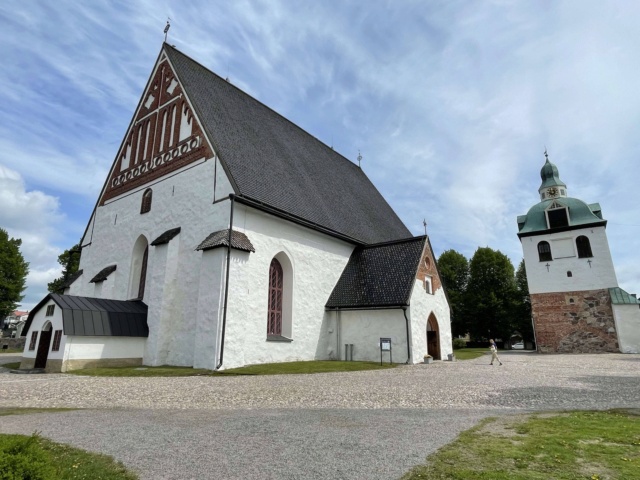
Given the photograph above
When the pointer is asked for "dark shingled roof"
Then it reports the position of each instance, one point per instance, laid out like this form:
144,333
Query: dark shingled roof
379,275
72,279
102,275
239,241
166,237
85,316
271,160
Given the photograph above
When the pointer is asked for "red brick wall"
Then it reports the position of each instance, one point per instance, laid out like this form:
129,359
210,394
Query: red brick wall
428,267
585,325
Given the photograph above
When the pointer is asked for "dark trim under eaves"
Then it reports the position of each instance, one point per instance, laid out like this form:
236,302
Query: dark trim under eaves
562,229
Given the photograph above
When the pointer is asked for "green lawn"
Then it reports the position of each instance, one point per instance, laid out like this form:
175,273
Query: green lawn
12,366
37,458
563,446
12,350
470,353
264,369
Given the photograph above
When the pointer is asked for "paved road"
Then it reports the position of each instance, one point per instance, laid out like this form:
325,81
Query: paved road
369,425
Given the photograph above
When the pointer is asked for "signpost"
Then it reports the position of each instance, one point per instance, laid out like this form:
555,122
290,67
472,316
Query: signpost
385,346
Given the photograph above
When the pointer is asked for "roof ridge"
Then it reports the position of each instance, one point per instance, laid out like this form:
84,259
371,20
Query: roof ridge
266,106
395,242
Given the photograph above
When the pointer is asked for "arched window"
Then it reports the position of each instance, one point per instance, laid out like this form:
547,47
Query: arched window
584,247
280,300
146,201
138,272
274,318
544,251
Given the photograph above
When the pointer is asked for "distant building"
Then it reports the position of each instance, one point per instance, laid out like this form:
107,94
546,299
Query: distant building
577,305
225,235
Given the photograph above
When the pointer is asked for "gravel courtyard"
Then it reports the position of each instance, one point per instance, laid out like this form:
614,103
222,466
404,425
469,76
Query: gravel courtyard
369,425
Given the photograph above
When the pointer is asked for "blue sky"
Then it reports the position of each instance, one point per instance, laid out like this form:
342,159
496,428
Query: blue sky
451,104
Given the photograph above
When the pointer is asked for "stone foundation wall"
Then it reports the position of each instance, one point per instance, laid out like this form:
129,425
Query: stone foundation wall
12,343
574,322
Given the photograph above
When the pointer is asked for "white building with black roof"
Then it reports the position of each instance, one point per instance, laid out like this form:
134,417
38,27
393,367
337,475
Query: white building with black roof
249,240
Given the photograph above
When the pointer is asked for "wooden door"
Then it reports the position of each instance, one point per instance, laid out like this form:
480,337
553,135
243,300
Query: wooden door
43,349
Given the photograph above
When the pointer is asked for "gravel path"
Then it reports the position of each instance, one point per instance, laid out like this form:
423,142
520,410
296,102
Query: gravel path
369,425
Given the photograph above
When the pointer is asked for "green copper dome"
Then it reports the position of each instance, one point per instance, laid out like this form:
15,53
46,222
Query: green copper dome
579,215
550,176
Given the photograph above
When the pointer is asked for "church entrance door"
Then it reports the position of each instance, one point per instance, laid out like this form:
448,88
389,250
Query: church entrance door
43,347
433,338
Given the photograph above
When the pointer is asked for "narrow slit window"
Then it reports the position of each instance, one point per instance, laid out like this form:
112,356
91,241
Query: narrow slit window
50,310
34,338
274,316
146,201
56,341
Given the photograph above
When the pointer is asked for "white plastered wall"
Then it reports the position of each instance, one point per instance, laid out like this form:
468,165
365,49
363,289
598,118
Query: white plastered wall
317,262
103,347
39,321
364,328
627,318
183,199
424,304
597,274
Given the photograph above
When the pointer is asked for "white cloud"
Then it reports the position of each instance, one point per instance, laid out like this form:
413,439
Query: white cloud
34,217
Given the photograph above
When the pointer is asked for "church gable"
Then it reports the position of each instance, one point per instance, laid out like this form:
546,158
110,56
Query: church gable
428,270
165,135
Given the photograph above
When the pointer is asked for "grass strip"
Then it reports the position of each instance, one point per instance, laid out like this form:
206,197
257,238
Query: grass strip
37,458
469,353
264,369
25,411
11,366
564,446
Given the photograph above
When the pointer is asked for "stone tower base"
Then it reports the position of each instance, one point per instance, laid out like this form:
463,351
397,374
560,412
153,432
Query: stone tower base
574,322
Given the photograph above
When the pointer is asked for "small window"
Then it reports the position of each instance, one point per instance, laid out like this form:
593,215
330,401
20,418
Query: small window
584,247
146,201
572,301
569,274
34,338
428,286
56,341
427,262
544,252
50,309
562,192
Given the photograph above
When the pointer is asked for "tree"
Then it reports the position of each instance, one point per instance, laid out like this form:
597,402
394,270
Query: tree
454,273
13,273
490,295
522,308
70,261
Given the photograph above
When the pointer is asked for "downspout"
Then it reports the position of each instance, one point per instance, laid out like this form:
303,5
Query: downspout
338,325
226,286
404,310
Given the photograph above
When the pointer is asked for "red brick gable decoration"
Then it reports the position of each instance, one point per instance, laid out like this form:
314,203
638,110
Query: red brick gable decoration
428,267
165,136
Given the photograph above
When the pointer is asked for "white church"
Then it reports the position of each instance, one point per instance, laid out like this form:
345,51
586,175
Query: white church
225,235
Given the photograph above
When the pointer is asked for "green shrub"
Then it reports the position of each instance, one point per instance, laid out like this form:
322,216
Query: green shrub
459,343
23,459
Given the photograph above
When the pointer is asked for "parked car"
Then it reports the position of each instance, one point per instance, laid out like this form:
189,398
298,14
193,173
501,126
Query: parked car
518,346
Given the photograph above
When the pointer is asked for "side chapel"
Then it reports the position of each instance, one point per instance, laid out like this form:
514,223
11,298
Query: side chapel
225,235
577,305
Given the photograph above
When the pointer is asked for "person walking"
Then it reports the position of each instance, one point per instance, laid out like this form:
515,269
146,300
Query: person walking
494,351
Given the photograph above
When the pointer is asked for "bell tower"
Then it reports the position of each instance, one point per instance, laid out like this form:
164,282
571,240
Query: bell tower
569,270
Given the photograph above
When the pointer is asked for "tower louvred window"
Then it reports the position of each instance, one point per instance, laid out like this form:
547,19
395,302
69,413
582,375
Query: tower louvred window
584,247
274,316
544,252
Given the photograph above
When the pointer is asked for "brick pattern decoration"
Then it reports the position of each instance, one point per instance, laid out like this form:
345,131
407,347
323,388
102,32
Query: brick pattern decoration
427,266
153,141
574,322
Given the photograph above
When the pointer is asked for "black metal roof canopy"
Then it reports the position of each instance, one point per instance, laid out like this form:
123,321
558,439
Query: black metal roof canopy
220,238
378,276
85,316
271,160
